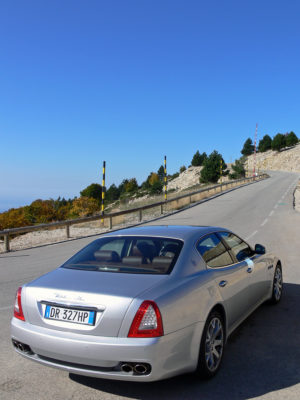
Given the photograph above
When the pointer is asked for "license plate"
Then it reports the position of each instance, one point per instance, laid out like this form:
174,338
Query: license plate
76,316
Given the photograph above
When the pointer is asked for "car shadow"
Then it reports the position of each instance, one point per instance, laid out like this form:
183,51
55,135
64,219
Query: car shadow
261,356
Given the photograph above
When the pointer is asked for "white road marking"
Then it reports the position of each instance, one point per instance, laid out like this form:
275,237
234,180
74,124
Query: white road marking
276,205
271,213
252,234
264,223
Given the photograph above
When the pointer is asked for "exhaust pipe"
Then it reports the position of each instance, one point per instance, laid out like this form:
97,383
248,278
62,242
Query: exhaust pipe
24,348
140,369
126,368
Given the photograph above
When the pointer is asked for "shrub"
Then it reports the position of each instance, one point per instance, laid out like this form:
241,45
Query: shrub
40,212
84,206
157,187
13,218
238,170
182,169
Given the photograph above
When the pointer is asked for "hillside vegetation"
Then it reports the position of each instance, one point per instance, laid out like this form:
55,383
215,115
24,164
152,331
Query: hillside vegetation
273,154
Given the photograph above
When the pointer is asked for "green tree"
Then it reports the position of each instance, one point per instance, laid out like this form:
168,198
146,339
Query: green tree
278,142
131,185
265,144
238,170
198,159
93,191
291,139
122,185
153,178
248,148
113,193
182,169
161,172
211,171
156,187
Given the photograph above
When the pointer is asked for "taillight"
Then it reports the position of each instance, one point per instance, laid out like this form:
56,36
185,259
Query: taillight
147,321
18,312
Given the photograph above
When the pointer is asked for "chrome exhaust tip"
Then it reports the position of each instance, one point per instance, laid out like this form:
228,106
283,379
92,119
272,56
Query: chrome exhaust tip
126,368
24,348
140,369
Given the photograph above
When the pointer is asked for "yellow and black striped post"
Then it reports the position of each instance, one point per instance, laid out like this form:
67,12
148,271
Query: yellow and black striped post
103,192
221,171
165,177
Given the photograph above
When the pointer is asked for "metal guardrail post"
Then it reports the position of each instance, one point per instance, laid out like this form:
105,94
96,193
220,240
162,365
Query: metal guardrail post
68,231
140,215
161,209
6,243
110,222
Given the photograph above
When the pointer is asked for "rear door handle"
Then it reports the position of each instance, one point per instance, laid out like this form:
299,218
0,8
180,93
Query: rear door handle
223,283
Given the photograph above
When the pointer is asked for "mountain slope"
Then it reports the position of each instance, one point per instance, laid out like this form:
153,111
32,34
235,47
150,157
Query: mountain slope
285,160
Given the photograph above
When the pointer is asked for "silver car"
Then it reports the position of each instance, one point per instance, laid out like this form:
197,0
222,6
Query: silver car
144,304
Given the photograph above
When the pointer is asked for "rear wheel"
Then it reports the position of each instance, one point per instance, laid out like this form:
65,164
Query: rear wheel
277,285
212,346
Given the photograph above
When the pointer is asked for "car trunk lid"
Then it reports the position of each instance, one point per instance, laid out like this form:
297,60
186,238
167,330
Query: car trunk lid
106,294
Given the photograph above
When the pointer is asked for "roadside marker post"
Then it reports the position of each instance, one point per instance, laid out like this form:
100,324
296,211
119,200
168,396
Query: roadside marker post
221,172
254,155
103,192
165,177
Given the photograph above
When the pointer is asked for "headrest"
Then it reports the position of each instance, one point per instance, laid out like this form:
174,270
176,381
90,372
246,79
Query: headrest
106,255
132,260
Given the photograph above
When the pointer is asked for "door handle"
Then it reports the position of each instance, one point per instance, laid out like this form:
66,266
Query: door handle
223,283
249,270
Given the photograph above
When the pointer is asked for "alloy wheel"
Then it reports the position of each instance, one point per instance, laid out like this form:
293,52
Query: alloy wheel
214,344
277,285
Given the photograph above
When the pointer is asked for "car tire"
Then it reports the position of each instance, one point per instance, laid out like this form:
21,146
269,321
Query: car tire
277,285
212,346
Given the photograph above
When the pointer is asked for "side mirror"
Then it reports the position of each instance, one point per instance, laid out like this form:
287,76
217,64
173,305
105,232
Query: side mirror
260,249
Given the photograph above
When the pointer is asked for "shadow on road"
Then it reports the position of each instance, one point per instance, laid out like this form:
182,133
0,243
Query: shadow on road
261,356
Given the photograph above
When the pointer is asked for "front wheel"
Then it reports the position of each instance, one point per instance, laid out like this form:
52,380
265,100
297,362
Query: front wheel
277,285
212,346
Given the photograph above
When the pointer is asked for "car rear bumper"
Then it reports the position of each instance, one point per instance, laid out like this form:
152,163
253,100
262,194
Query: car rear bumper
102,357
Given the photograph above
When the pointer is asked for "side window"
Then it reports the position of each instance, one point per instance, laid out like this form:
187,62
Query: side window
214,252
239,248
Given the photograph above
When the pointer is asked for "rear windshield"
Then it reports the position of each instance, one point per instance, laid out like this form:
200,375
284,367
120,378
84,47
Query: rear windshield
128,254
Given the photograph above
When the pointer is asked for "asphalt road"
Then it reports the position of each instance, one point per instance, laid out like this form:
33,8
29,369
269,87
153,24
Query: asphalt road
262,358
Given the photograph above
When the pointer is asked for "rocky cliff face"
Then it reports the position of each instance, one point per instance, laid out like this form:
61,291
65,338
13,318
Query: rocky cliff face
285,160
186,179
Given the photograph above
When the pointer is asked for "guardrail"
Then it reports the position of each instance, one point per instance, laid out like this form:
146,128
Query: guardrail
181,201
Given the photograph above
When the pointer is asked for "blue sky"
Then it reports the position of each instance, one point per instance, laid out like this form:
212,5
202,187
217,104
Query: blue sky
130,81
